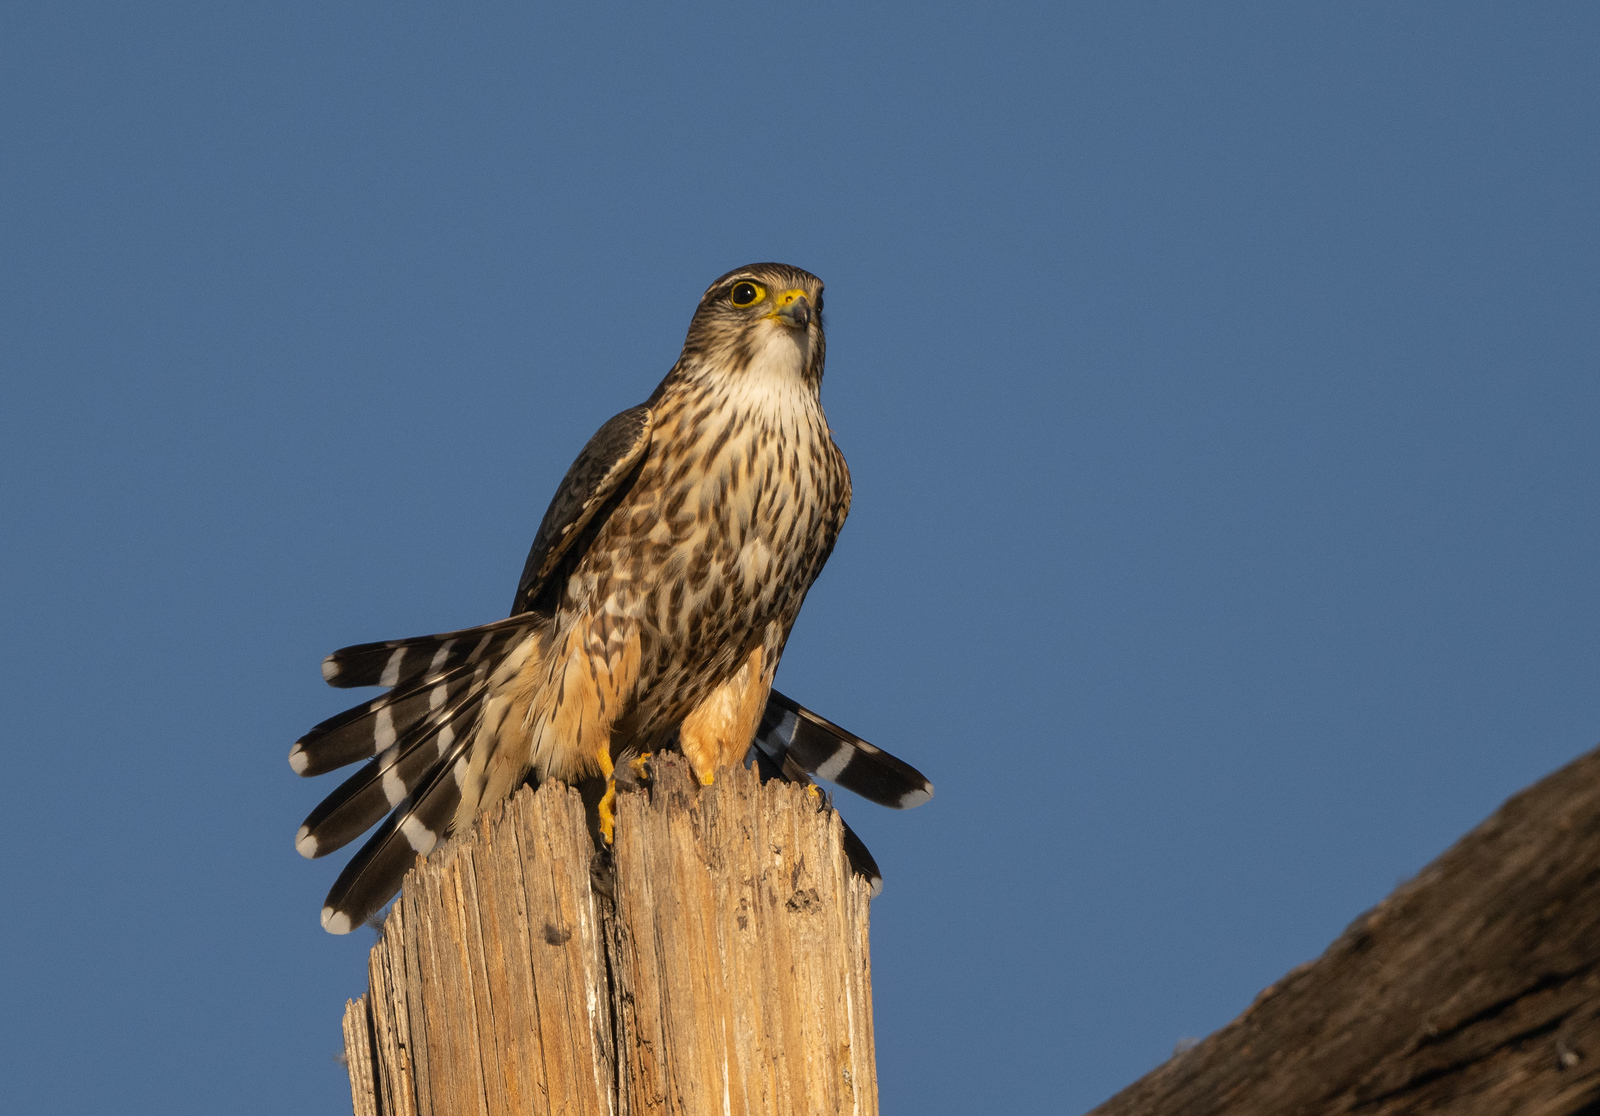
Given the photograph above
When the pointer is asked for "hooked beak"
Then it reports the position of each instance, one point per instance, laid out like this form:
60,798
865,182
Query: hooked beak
793,309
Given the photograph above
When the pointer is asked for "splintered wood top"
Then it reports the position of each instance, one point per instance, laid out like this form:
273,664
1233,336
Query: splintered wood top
722,966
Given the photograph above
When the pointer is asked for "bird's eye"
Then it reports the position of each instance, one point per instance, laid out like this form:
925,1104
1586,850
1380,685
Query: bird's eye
747,294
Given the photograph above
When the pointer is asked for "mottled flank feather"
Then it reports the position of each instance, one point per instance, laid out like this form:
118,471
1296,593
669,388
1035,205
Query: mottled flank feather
821,748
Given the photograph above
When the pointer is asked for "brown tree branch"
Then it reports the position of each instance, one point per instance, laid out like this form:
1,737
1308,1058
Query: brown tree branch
1473,989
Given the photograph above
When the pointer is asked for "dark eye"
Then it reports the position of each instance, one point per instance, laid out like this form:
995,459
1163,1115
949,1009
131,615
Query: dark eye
745,294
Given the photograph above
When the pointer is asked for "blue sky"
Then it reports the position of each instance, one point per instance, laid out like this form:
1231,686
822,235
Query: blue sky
1219,384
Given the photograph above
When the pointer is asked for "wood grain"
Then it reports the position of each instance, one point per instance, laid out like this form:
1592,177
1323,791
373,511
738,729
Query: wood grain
727,970
1473,989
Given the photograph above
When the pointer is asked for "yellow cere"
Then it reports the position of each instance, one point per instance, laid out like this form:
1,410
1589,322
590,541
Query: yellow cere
785,300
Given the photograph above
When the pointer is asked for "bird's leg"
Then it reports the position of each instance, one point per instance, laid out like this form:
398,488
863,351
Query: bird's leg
608,801
607,656
633,774
717,732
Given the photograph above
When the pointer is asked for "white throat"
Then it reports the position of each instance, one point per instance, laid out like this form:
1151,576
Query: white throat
777,364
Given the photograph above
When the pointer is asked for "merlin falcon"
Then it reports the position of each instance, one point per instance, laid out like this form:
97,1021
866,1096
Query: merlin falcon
651,614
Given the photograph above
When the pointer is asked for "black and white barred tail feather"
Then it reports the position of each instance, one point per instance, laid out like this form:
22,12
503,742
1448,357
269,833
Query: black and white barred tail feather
415,735
860,859
375,726
419,823
399,660
426,673
821,748
382,785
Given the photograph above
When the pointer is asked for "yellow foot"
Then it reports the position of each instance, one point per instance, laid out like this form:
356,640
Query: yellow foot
608,813
641,767
608,801
814,791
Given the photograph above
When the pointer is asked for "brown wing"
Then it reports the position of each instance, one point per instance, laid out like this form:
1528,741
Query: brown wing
611,458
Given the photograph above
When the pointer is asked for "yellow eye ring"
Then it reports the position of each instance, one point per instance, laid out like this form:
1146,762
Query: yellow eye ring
746,293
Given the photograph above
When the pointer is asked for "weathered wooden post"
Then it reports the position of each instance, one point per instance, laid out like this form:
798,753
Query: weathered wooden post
727,971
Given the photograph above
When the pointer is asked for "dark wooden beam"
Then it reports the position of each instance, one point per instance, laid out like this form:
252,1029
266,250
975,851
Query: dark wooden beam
1473,989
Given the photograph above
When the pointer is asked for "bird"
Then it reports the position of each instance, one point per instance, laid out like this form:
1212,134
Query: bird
651,615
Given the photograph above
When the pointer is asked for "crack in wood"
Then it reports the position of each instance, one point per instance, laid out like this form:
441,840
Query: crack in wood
1500,1007
1428,1077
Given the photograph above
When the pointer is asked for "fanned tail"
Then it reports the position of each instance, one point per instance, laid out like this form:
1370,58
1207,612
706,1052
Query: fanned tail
418,737
400,660
821,748
382,785
426,673
373,727
419,823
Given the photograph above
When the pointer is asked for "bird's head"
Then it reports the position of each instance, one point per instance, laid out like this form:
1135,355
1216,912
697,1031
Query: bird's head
766,316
